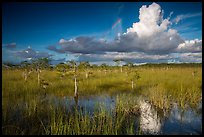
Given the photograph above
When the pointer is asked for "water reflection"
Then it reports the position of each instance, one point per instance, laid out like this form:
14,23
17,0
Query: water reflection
183,121
150,122
177,121
76,98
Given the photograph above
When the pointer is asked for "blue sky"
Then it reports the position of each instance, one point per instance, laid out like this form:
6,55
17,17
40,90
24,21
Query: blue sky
40,25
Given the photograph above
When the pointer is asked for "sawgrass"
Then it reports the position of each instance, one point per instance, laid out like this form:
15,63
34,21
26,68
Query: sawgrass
25,110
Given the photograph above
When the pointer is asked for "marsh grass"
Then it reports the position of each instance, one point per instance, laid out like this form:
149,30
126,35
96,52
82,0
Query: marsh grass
25,109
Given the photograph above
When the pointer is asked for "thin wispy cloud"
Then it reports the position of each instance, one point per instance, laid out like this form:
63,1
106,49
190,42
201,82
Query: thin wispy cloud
10,46
178,18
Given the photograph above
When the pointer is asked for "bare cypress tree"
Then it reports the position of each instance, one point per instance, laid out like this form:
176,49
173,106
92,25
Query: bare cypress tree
104,66
74,65
118,63
39,64
133,74
85,66
75,82
38,72
25,74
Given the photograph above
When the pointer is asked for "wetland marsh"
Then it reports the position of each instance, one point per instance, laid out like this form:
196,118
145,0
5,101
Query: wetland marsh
163,101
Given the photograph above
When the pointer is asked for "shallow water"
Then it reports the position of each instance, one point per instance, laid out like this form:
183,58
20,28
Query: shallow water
176,122
152,121
86,104
183,122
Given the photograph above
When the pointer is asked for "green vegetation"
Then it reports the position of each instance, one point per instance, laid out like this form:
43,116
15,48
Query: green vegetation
25,109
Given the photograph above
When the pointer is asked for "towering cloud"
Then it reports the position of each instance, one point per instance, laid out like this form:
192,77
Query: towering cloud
152,31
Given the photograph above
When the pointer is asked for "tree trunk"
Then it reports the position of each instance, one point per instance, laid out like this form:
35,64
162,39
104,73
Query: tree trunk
75,87
121,69
132,84
87,75
193,74
38,77
25,77
74,68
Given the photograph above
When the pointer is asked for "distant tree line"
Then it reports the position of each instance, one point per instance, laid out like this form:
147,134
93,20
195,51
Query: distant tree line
44,63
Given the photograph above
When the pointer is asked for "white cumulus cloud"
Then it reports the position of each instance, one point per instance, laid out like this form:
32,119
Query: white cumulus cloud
153,31
190,46
149,39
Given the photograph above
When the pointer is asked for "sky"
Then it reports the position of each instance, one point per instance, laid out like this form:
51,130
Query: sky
99,32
